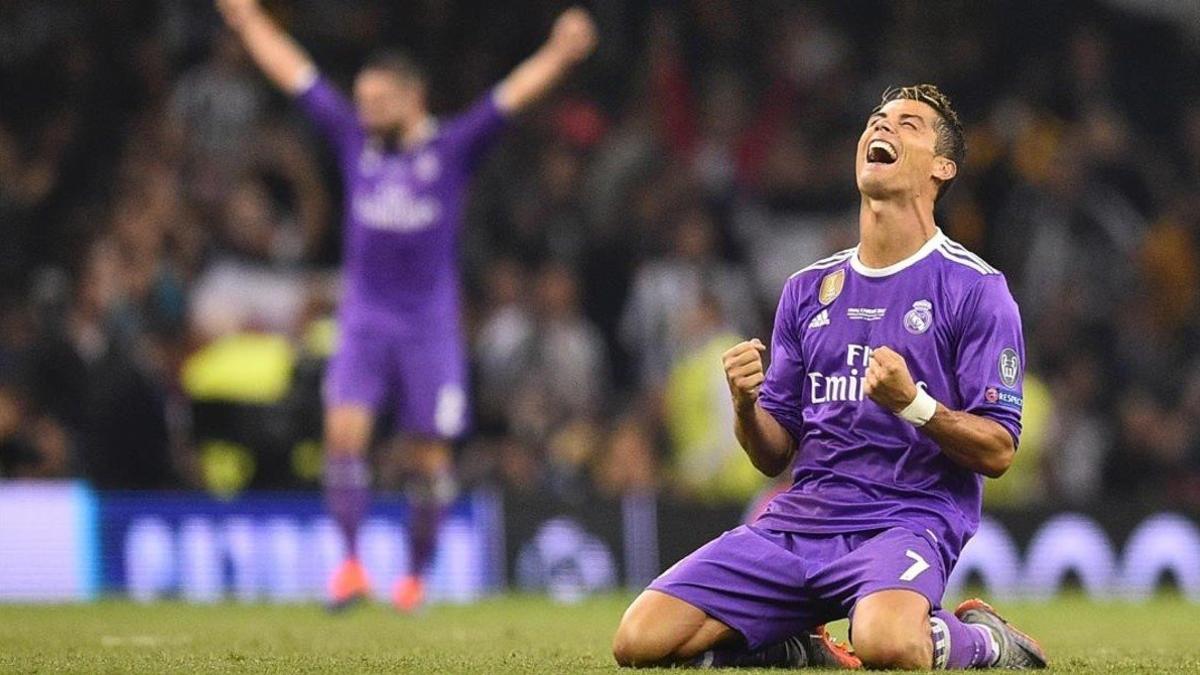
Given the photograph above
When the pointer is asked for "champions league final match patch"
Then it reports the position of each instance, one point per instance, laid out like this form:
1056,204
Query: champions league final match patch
866,313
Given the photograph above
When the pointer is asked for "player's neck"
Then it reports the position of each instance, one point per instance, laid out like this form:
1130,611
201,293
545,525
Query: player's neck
890,231
417,132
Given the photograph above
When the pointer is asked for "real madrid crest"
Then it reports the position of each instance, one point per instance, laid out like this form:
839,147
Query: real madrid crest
831,286
918,319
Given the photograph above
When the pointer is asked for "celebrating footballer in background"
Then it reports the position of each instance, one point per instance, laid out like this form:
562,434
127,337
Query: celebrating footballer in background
405,175
894,387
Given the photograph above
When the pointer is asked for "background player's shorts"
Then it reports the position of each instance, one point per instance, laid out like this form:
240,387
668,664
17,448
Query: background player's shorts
769,585
425,377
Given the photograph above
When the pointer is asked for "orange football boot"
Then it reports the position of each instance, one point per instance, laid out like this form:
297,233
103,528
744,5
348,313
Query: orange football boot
348,585
825,652
408,594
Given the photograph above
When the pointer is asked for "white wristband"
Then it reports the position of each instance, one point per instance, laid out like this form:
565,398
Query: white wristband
921,409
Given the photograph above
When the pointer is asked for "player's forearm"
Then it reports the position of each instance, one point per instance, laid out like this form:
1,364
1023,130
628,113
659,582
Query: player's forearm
533,79
973,442
769,446
571,39
280,58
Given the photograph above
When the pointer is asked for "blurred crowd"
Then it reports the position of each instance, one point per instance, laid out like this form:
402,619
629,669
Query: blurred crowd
170,225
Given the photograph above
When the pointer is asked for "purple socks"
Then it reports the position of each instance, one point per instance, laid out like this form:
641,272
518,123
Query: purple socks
347,483
428,498
422,534
958,645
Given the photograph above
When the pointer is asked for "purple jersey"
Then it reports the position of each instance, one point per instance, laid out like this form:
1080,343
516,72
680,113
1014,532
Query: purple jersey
402,210
859,467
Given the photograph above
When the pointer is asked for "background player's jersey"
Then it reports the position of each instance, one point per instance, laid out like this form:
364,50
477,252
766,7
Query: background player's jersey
403,210
858,466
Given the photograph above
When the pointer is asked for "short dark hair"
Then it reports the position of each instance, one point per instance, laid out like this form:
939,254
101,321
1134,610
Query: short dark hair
951,141
398,63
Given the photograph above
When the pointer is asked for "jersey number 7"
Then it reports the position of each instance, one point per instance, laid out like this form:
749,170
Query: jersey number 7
919,565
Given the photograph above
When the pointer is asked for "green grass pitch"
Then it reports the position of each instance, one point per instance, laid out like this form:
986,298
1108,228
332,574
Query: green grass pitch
507,634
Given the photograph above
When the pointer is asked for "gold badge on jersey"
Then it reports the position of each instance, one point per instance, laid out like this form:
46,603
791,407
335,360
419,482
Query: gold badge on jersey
831,286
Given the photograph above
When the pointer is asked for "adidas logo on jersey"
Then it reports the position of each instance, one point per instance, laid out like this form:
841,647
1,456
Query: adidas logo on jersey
821,319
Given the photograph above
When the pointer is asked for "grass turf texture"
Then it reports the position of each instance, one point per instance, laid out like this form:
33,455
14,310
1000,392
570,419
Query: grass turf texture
508,634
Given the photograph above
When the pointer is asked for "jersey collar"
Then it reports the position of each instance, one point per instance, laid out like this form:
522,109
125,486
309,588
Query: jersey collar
911,260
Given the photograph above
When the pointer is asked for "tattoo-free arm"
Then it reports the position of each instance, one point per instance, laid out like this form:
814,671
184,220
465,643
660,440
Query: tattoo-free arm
571,40
280,58
769,446
973,442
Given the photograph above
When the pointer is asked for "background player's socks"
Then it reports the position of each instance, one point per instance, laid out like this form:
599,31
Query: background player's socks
422,534
428,498
958,645
347,483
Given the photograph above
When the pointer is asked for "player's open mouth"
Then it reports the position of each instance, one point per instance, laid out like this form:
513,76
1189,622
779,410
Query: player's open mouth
881,152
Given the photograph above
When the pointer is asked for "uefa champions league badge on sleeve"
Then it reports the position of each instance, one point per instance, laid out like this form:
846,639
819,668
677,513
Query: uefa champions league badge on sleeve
831,286
1010,366
918,319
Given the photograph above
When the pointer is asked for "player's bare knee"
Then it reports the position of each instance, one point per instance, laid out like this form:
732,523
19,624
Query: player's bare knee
650,633
626,651
634,646
890,629
884,646
347,431
906,654
431,457
341,442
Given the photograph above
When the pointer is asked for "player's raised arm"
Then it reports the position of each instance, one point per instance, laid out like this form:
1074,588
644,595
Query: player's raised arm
769,446
276,53
571,40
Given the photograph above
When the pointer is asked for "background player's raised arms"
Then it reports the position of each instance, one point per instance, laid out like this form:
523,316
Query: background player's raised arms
282,60
571,39
286,64
769,446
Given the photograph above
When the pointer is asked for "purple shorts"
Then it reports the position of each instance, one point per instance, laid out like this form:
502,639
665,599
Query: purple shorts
769,585
423,376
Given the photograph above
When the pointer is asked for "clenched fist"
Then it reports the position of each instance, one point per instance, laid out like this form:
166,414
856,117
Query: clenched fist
888,381
744,372
573,34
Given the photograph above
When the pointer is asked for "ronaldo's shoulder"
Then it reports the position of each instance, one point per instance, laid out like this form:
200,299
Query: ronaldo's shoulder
968,280
820,268
829,273
959,262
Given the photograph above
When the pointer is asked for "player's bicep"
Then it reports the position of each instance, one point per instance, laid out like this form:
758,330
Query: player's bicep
991,356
